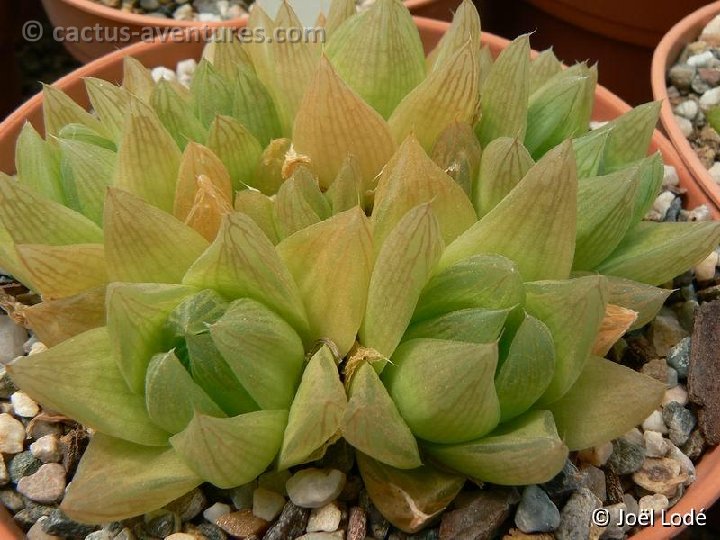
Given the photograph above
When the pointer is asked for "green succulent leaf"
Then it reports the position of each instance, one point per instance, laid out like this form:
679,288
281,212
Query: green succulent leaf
606,401
236,147
403,266
268,175
226,53
144,244
253,106
645,300
260,208
176,113
518,227
81,133
543,68
38,164
263,351
482,281
382,65
331,263
117,479
444,389
505,162
111,103
59,109
589,152
242,262
573,311
339,12
465,26
505,94
654,253
408,499
212,94
230,452
172,397
137,79
650,172
79,378
630,136
457,151
526,371
300,203
136,317
373,425
347,191
470,325
316,412
524,451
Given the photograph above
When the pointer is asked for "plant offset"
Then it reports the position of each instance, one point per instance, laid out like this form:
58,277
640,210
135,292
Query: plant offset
425,257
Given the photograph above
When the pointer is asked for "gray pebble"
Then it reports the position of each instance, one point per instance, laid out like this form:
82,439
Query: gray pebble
576,516
681,76
566,481
536,512
627,457
12,500
162,523
23,464
58,524
679,357
680,422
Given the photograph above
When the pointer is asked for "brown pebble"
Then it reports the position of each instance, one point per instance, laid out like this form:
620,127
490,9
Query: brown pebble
517,534
660,475
486,511
704,370
242,524
706,156
615,491
72,447
695,445
357,524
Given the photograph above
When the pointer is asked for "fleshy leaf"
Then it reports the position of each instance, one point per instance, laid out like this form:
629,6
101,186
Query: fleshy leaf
373,425
470,325
331,263
299,203
505,162
606,401
137,79
38,164
645,300
506,93
172,397
198,160
524,451
616,322
458,152
379,55
543,67
573,311
346,191
654,253
316,410
62,271
630,136
333,121
236,147
241,447
482,281
444,389
260,208
448,94
518,227
263,351
136,315
81,133
117,480
339,12
651,173
226,53
465,26
176,114
268,173
79,378
525,373
410,179
242,262
402,268
212,95
143,244
254,108
59,109
589,152
408,499
148,159
111,104
211,204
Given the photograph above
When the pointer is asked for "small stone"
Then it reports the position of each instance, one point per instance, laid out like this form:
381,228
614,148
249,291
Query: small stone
685,125
36,532
46,449
709,75
185,70
678,394
4,475
715,172
705,271
666,332
687,109
29,515
673,378
594,480
46,485
662,203
102,534
576,516
337,535
681,76
655,503
631,504
215,511
709,99
12,338
655,445
59,524
712,28
313,488
655,422
660,475
701,213
181,536
695,446
12,434
670,177
626,457
597,455
37,428
162,523
267,504
634,436
163,74
700,60
7,387
242,523
290,524
357,524
149,5
615,529
679,356
242,496
12,500
564,482
480,518
325,519
184,13
657,369
680,422
686,465
211,532
190,505
536,512
274,481
23,464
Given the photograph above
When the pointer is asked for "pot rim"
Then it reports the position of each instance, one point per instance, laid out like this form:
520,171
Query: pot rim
665,54
701,494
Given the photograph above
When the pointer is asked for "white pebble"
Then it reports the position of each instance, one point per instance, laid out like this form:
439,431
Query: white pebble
337,535
12,434
712,28
634,436
46,449
655,445
24,405
163,73
597,455
267,504
313,488
654,422
181,536
4,476
685,125
700,213
670,177
715,172
700,60
662,202
678,393
705,271
185,70
325,519
215,511
37,348
686,465
687,109
709,99
12,339
653,503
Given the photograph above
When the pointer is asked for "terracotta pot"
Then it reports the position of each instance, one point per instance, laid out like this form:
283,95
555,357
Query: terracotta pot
702,494
667,51
619,34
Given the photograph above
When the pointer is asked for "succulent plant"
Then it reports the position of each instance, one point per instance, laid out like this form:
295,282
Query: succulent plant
425,257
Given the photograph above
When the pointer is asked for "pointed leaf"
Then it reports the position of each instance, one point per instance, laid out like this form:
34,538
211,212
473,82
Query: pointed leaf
254,108
144,244
470,325
117,480
630,135
616,322
111,103
211,204
465,26
518,227
79,379
197,160
268,175
316,411
176,114
137,79
591,414
402,268
542,68
347,190
38,164
525,451
299,203
260,208
589,152
458,152
644,300
651,172
59,110
339,12
226,52
654,253
236,147
212,94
